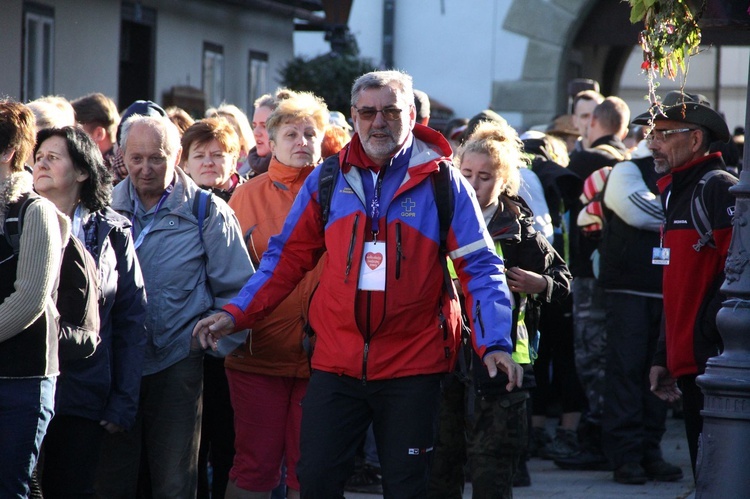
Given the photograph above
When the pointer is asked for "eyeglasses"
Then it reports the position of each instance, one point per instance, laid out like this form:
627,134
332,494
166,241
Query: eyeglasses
389,113
661,135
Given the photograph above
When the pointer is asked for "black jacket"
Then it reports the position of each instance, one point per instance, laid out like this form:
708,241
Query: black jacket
626,251
512,227
584,163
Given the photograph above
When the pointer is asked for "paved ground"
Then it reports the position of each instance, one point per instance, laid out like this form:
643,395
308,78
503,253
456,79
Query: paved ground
548,481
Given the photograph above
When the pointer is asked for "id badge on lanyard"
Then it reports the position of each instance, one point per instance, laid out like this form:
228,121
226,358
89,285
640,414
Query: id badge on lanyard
372,268
660,255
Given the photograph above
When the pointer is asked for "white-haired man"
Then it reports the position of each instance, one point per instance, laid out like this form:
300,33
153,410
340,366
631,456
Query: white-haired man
189,272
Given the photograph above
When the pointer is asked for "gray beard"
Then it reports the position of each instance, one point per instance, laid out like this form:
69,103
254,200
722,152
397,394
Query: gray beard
383,150
662,169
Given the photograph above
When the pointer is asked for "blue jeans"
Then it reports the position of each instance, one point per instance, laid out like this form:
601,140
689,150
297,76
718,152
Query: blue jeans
26,408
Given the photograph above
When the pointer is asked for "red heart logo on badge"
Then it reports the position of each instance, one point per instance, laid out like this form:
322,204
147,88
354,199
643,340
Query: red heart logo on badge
373,260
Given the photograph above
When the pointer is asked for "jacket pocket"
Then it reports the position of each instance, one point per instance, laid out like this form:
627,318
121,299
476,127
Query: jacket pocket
181,296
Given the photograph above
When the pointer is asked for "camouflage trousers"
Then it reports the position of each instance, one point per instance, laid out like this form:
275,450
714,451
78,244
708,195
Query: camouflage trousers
498,437
590,342
492,432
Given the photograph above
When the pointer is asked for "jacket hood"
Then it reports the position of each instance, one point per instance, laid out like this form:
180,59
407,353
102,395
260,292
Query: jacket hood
511,218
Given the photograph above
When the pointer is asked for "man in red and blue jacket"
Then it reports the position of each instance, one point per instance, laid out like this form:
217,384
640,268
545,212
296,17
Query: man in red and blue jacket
386,326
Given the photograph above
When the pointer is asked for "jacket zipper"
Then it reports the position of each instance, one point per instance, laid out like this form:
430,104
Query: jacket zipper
443,325
398,250
478,316
350,253
367,340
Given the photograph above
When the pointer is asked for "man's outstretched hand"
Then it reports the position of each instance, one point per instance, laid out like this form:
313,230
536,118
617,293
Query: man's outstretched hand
663,385
213,328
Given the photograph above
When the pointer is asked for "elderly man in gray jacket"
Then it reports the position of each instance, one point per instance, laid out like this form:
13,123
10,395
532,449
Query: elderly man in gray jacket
188,275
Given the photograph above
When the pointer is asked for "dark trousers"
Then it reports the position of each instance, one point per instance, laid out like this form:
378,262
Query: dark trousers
447,473
590,342
159,456
217,430
336,412
555,367
634,418
692,405
70,457
498,438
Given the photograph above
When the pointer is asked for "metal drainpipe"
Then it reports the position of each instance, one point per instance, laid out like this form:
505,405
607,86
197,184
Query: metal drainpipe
389,14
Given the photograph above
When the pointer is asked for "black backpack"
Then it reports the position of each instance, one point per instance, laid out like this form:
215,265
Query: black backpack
699,212
77,294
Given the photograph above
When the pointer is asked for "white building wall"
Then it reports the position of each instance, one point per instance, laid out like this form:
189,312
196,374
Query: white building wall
10,34
702,78
182,29
456,49
453,49
94,64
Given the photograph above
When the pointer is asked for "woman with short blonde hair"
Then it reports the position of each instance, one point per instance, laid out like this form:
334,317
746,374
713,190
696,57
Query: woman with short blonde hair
268,376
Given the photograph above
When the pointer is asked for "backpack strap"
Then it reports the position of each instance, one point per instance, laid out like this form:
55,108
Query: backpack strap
618,155
699,213
14,220
329,171
441,185
200,209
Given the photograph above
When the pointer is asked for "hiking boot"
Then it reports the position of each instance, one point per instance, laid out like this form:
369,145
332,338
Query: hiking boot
521,477
631,474
585,459
662,471
365,480
565,444
539,440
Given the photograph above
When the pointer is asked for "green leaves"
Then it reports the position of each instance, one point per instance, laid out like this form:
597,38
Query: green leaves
637,10
670,37
329,76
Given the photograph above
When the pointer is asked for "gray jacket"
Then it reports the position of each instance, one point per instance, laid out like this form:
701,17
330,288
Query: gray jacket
185,280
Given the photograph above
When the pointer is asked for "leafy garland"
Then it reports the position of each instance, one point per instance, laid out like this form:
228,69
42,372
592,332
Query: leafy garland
670,37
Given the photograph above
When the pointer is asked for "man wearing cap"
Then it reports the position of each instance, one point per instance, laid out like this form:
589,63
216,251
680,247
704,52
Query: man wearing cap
192,264
141,108
683,130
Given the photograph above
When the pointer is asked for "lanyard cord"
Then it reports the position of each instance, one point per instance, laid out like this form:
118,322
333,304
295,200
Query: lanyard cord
147,228
375,204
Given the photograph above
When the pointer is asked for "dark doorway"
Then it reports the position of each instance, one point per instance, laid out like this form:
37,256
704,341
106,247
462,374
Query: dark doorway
137,49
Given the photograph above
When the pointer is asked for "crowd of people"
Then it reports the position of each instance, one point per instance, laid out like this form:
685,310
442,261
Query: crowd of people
301,303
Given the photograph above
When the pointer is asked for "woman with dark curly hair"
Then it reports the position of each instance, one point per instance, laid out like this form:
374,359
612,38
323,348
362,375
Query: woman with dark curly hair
98,395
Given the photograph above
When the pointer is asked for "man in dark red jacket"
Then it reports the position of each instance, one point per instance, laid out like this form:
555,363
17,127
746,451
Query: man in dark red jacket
683,131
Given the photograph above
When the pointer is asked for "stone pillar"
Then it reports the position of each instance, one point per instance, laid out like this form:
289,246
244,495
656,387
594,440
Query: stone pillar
723,457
